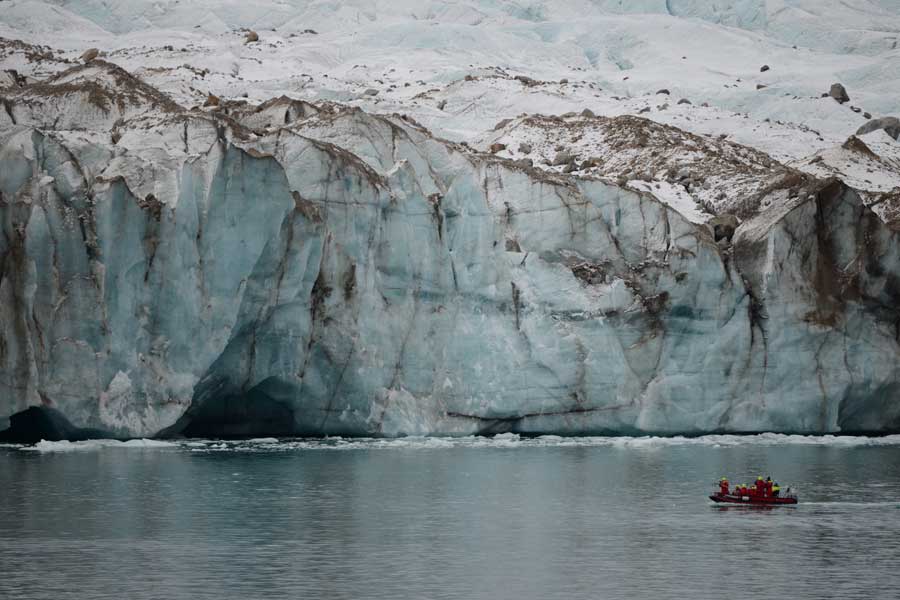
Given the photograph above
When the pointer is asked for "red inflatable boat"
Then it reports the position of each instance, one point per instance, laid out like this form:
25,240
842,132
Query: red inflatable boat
754,500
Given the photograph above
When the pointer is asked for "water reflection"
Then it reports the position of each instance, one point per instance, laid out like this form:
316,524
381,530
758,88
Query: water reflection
527,522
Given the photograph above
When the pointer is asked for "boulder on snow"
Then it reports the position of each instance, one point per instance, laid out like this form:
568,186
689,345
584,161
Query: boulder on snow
90,54
663,91
251,37
684,101
497,147
764,68
212,100
839,93
588,113
562,158
525,148
891,126
371,92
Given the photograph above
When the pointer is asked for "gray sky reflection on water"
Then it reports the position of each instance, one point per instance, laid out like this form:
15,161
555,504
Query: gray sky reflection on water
479,522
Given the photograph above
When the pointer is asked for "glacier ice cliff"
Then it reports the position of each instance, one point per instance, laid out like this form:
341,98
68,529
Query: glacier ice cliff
308,270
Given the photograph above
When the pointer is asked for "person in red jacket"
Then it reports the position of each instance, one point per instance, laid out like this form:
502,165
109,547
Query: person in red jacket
723,486
769,484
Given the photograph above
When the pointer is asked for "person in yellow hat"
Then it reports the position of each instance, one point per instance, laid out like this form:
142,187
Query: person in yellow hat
723,486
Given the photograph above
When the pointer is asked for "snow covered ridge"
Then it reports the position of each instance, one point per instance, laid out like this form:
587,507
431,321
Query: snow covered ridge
306,269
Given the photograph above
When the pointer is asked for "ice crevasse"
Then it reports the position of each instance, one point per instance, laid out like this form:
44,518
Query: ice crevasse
194,273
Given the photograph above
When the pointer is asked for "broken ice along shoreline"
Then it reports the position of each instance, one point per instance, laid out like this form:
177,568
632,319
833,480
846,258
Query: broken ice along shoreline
499,441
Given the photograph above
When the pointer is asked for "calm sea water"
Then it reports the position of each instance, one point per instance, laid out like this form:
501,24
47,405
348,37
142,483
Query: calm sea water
472,518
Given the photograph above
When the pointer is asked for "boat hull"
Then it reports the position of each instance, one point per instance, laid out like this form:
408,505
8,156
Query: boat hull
754,500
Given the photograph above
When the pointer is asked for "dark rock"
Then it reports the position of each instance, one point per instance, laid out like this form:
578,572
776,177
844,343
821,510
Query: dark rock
891,126
646,109
38,423
524,163
839,93
525,148
856,109
501,124
371,92
563,81
212,100
497,147
723,227
90,54
764,68
867,115
761,86
588,113
251,37
571,167
562,158
684,101
663,91
442,104
528,81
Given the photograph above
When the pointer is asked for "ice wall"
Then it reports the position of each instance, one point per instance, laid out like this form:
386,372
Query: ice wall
350,274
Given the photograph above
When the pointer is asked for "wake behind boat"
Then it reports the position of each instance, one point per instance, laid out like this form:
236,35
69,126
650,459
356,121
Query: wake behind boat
762,493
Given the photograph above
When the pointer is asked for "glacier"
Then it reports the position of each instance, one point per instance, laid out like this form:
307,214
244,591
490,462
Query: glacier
305,270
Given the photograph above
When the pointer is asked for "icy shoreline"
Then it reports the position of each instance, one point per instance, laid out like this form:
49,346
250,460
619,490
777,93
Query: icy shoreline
434,443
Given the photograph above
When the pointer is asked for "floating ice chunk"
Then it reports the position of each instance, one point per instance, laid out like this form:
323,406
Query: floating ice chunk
88,445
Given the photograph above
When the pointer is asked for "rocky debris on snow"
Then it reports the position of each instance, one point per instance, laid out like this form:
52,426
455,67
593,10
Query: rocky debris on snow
527,81
698,174
89,55
525,148
212,100
251,37
497,147
839,93
891,126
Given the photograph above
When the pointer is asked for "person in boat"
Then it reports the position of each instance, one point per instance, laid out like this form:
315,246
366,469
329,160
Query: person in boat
775,489
769,484
723,486
760,486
